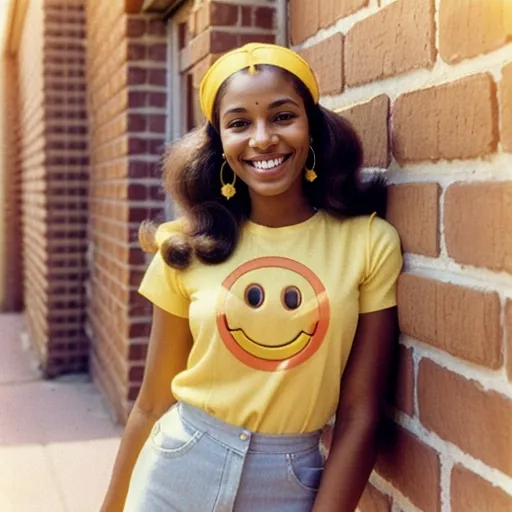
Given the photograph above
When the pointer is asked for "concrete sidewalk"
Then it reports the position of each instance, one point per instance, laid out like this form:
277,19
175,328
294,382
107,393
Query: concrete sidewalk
57,440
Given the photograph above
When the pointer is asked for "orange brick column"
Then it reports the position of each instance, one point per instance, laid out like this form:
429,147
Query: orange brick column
127,80
11,296
428,85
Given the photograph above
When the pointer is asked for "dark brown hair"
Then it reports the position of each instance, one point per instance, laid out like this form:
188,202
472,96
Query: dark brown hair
212,223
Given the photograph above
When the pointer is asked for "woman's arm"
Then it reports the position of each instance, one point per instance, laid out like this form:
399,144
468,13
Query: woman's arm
363,386
169,346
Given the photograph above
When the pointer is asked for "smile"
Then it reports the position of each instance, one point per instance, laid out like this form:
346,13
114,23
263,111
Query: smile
276,353
269,164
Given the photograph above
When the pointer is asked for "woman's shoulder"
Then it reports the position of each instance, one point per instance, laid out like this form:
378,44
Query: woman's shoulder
365,225
167,229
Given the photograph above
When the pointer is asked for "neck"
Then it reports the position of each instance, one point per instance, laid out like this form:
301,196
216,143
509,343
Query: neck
279,211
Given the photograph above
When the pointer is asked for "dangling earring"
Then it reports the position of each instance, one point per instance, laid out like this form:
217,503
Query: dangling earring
228,190
310,174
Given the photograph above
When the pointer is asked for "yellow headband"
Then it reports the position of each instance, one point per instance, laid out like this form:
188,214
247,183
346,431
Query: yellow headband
249,56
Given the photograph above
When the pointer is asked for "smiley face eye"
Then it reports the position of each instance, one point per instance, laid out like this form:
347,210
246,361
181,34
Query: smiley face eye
291,297
254,295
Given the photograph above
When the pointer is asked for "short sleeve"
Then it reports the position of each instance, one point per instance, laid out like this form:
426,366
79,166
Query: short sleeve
384,263
161,285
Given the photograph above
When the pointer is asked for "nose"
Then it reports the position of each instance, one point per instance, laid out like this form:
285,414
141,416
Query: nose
262,137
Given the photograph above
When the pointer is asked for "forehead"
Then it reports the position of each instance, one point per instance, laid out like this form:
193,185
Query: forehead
264,87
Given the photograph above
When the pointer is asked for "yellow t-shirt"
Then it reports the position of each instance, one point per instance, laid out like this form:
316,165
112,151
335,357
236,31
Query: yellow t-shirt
274,324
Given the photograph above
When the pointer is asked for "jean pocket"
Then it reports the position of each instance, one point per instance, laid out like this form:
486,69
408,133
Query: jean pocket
172,436
305,469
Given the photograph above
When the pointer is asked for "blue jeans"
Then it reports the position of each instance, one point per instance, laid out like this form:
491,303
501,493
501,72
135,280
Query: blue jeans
193,462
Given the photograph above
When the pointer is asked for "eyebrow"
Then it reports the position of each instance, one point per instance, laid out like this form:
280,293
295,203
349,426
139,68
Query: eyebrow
274,104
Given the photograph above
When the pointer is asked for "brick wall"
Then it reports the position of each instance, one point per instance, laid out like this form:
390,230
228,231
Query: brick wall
54,161
127,98
11,280
216,27
428,84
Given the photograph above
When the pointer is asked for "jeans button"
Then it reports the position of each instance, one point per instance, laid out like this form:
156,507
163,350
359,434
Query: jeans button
244,436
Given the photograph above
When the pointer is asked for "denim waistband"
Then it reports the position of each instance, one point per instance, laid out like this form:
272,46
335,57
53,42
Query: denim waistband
239,438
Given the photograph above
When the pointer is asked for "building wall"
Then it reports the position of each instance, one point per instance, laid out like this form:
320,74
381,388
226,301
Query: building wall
127,80
53,159
428,84
11,288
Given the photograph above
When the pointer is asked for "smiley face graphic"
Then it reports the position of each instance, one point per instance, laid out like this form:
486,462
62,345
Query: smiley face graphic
272,313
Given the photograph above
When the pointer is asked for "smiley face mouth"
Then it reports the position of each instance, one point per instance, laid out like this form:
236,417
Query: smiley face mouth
274,353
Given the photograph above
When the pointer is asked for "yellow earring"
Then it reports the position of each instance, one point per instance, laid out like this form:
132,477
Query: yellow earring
228,190
310,174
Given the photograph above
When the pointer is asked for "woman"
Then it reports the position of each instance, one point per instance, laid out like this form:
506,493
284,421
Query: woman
274,307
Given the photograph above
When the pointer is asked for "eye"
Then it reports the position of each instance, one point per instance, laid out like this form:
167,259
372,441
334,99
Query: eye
238,124
254,295
284,116
291,298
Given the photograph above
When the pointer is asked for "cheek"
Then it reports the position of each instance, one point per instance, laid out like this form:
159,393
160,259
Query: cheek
232,145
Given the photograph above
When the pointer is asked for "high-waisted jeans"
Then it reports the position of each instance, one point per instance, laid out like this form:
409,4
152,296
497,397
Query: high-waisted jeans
193,462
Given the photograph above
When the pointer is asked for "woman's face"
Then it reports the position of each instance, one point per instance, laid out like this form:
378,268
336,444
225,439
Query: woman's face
265,132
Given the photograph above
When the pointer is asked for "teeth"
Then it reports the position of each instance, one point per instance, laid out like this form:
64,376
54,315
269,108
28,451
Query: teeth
268,164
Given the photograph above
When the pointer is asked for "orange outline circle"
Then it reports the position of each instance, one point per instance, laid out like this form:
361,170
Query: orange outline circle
323,313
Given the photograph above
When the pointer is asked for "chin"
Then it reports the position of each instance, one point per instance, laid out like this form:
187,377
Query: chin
268,190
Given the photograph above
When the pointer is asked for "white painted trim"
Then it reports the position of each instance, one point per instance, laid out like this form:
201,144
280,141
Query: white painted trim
174,100
282,22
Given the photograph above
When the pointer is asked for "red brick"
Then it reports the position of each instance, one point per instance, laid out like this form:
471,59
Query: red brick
506,108
373,500
370,119
463,125
157,52
471,492
264,17
137,99
304,19
157,99
157,27
157,77
137,76
333,10
157,123
462,412
212,41
223,14
467,29
247,13
462,321
412,467
135,51
137,122
414,211
508,323
326,60
135,27
398,38
478,224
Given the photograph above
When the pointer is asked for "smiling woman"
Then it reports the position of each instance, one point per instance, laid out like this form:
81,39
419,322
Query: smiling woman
274,304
